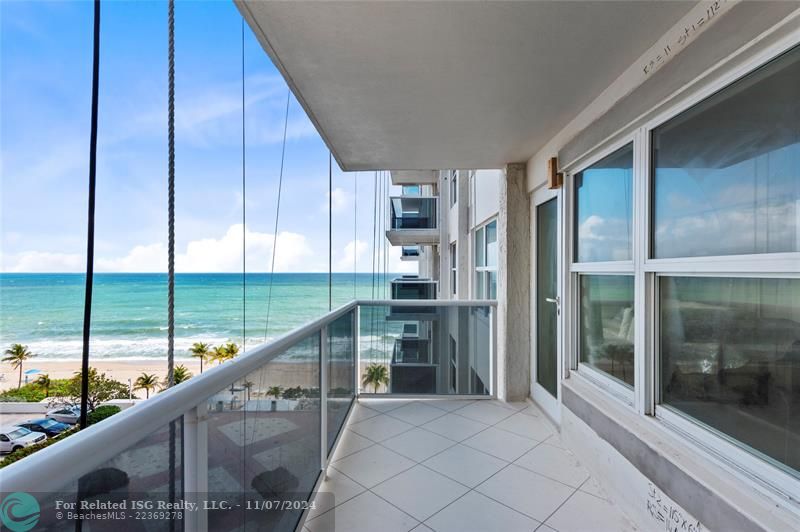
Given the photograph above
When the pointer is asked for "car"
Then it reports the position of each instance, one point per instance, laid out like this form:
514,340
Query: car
49,427
16,437
68,415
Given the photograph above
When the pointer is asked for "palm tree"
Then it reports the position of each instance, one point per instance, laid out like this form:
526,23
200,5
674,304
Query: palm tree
375,375
199,350
182,373
44,382
274,391
232,350
146,382
16,355
248,385
221,353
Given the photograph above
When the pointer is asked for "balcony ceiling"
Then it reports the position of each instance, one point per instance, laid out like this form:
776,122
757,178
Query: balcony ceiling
429,85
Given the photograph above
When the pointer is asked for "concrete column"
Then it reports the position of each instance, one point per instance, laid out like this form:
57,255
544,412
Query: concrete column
513,286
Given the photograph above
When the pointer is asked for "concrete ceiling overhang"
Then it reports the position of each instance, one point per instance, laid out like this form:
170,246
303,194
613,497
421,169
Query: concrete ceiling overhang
430,85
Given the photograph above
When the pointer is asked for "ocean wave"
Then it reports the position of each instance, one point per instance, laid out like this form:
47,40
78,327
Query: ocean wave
123,348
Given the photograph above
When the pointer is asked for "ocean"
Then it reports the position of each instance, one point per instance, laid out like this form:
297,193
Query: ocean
129,314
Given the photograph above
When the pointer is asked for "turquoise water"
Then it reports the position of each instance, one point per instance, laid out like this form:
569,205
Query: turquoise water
129,316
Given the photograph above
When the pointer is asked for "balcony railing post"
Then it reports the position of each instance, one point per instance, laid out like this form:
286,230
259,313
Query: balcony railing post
195,476
357,340
323,397
493,349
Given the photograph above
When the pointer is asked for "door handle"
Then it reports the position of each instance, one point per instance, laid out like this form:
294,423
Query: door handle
557,301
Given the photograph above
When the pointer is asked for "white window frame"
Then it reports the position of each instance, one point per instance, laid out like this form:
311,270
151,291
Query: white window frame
755,471
484,271
574,270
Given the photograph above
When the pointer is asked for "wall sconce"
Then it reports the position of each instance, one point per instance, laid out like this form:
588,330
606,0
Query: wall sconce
554,178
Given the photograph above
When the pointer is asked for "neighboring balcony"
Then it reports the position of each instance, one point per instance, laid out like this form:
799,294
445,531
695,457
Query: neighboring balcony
411,287
413,221
415,177
410,253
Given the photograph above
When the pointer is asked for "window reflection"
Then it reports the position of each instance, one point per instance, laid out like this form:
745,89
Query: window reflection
730,358
732,161
607,325
603,208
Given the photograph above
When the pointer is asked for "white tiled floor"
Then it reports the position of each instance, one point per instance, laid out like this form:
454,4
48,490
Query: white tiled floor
455,465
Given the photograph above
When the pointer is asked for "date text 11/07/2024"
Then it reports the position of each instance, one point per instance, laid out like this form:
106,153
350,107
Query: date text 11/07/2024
181,505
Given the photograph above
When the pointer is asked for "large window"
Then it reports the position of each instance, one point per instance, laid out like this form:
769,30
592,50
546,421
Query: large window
726,181
730,358
726,173
712,273
486,261
604,234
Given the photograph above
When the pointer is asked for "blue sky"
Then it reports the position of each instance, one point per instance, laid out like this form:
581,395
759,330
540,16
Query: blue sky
45,100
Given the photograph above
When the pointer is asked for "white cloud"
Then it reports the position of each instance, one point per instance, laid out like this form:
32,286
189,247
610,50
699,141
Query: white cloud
223,254
43,261
346,258
340,200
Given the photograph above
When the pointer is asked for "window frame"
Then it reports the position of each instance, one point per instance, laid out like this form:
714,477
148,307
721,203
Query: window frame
484,271
574,271
747,465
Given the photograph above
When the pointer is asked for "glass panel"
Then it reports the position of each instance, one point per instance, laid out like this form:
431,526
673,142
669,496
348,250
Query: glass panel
341,373
727,171
480,284
410,352
413,213
607,325
730,358
546,288
150,470
491,244
480,249
604,207
492,284
264,439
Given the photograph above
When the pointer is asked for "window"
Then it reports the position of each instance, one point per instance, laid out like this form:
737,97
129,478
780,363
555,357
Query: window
453,269
486,261
731,161
730,358
453,187
604,233
603,209
725,180
606,328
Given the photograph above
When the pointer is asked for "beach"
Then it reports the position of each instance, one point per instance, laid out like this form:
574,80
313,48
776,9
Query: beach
283,374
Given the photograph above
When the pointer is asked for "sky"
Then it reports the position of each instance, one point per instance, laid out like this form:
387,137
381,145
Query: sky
45,98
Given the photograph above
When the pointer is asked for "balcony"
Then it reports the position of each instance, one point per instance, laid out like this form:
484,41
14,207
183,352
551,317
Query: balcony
413,221
415,177
264,426
458,465
410,253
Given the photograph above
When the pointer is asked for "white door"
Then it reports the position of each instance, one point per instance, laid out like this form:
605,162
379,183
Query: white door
546,301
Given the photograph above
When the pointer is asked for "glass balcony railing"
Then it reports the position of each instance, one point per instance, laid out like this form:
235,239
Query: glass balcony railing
413,212
214,452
